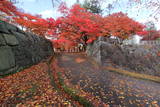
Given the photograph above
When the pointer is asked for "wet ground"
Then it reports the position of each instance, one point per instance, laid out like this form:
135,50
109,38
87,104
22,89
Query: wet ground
112,88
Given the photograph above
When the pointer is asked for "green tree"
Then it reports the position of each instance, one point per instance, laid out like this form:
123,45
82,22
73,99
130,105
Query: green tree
92,6
77,1
109,8
150,26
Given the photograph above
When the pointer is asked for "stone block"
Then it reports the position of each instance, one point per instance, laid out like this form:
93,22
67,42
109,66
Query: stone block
7,59
11,27
9,70
11,39
22,39
29,35
2,40
20,49
3,27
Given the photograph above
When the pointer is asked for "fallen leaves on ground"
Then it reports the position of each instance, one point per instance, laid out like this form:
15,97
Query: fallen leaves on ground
109,87
79,60
30,87
78,91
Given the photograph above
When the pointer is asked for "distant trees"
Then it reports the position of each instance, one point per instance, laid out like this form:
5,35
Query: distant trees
92,6
109,8
150,25
152,33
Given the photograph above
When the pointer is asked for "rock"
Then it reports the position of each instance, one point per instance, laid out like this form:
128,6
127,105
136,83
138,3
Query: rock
11,27
19,49
2,40
20,36
7,58
11,39
3,27
137,58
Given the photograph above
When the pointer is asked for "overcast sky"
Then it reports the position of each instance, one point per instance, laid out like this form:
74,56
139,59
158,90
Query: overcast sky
45,8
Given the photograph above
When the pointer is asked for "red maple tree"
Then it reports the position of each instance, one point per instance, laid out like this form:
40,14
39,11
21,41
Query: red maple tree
77,25
8,8
120,25
151,35
33,23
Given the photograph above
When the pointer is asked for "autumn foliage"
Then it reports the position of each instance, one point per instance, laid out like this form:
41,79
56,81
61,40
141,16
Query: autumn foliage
151,35
32,23
77,25
120,25
80,26
8,8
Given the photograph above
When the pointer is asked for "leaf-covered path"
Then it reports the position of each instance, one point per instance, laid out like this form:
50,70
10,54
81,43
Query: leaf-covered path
31,88
110,87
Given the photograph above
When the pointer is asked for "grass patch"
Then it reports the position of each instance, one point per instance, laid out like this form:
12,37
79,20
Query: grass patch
61,87
52,79
71,92
135,75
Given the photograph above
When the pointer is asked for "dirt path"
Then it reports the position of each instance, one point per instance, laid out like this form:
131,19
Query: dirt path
110,87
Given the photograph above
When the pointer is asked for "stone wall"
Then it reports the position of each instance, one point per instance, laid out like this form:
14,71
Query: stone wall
19,49
141,59
151,42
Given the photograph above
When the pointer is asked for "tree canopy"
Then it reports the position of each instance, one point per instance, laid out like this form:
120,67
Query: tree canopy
77,25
